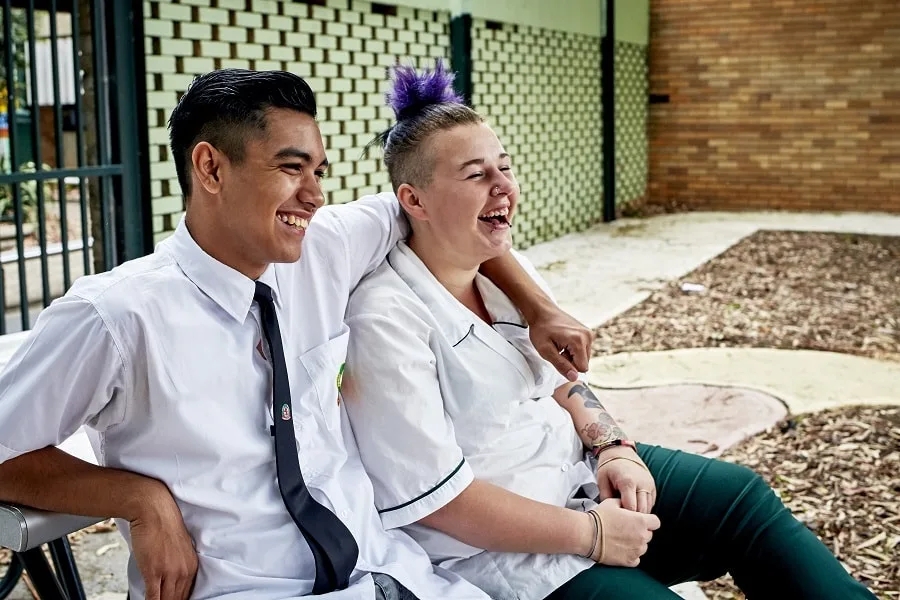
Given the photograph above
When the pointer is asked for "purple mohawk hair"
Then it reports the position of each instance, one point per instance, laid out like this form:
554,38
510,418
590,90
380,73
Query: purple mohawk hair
414,91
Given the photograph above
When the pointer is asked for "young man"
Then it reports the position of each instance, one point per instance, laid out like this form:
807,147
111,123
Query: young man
186,364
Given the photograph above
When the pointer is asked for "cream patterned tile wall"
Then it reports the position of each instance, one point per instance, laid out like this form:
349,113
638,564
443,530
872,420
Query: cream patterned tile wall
632,111
540,90
342,48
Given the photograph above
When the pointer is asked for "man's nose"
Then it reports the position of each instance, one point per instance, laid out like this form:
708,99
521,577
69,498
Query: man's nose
312,194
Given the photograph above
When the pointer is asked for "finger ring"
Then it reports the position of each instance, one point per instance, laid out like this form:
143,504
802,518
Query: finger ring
644,492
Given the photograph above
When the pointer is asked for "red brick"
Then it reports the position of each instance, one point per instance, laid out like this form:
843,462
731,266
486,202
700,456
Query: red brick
775,104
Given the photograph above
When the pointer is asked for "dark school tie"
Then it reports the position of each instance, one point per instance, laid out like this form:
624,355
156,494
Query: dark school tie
331,542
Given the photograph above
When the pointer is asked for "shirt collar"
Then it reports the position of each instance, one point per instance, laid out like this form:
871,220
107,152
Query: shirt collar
230,289
454,318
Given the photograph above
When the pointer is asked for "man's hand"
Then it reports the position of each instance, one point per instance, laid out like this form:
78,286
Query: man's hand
625,533
163,549
562,340
633,484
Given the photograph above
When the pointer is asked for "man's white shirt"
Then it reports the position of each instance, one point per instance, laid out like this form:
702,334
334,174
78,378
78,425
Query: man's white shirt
161,358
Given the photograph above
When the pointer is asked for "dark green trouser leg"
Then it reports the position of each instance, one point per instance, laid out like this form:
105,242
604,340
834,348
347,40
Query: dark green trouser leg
718,517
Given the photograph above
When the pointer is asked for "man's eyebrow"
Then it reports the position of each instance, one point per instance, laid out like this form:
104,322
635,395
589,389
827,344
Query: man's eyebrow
292,152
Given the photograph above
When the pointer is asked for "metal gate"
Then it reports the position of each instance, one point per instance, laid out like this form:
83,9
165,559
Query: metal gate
73,167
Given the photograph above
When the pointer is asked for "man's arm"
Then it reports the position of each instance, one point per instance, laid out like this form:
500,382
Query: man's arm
372,227
560,339
69,373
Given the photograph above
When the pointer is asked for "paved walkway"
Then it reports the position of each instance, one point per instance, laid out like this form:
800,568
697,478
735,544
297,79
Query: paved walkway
699,400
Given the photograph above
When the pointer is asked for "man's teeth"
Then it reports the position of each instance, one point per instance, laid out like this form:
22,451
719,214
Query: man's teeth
294,220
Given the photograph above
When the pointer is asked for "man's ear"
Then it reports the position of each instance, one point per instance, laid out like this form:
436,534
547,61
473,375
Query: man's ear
207,164
411,202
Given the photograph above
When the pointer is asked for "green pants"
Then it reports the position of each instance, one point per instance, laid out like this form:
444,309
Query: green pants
717,518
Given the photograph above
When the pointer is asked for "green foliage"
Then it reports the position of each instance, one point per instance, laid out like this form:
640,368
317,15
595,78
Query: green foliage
20,38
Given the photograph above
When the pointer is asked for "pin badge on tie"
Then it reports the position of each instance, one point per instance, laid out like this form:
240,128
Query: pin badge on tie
285,412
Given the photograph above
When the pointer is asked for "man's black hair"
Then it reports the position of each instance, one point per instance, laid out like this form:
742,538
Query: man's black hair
226,108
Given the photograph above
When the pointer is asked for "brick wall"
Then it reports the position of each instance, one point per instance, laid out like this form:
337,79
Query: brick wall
774,104
540,91
342,50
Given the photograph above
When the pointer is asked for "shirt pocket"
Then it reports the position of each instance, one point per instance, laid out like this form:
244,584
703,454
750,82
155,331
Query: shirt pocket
324,364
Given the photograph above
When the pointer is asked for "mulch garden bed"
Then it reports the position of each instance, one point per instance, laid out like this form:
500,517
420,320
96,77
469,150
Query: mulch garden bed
839,470
776,289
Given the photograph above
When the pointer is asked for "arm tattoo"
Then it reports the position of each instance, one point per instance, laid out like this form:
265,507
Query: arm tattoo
602,427
590,400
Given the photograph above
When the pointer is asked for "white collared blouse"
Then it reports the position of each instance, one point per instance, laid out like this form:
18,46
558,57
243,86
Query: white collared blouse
437,397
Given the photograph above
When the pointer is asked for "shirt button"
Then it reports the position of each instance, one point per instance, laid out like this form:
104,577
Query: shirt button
565,467
547,428
345,514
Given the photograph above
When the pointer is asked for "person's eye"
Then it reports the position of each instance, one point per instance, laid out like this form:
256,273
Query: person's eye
475,175
321,174
292,167
506,168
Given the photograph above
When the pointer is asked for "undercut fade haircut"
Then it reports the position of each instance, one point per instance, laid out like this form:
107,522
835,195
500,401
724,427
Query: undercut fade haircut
226,108
424,104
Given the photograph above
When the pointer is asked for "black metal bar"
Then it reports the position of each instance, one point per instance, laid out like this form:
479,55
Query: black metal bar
66,569
461,54
101,105
12,107
79,137
2,312
60,150
38,153
41,575
134,218
100,171
608,101
11,577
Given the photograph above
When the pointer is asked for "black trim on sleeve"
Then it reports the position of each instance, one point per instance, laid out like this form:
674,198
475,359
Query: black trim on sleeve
431,491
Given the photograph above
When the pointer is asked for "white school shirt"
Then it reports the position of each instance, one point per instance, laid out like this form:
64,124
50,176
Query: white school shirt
159,359
437,397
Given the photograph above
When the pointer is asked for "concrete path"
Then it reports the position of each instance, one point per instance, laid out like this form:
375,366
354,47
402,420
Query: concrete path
604,271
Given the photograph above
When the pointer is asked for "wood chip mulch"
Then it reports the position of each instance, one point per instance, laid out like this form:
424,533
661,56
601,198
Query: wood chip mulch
776,289
839,470
839,473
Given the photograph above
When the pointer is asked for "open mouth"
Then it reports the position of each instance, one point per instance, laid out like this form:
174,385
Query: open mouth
294,221
496,218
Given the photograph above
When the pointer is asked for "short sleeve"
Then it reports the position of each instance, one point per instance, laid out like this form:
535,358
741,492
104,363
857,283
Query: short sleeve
68,373
371,227
393,398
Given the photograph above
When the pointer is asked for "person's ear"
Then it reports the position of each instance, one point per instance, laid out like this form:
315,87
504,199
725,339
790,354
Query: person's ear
207,165
411,201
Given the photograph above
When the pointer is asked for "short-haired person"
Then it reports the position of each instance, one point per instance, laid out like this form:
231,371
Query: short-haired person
477,447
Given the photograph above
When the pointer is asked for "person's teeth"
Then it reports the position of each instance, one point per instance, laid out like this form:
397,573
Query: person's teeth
303,223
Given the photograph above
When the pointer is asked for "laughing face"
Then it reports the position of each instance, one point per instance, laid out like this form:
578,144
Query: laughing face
468,207
264,203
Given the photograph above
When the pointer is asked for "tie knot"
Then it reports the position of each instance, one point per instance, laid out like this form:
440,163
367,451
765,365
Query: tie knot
263,292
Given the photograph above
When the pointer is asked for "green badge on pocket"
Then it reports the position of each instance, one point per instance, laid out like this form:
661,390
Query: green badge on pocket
340,377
